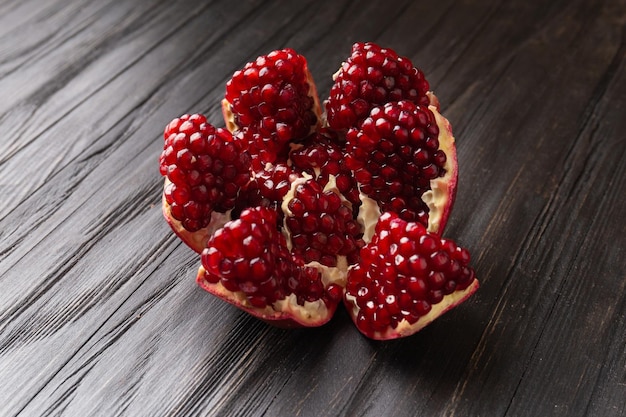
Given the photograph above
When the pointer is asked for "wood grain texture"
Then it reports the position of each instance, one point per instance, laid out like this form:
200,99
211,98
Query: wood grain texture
99,311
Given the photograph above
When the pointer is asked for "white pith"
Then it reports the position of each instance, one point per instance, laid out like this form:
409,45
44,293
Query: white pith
369,212
437,198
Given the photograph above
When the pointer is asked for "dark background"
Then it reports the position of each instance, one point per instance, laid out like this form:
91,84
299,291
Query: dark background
99,310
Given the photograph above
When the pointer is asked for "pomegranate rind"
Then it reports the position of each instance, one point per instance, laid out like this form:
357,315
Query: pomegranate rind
195,240
440,198
285,313
404,328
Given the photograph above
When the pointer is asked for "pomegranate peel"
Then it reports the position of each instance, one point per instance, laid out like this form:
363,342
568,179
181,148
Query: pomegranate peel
442,194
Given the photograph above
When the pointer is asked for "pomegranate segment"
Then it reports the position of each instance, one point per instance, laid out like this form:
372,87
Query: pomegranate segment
321,228
406,278
271,102
440,198
372,76
395,155
248,262
286,204
205,170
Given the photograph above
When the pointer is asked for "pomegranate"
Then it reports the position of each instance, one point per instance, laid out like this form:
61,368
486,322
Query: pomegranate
294,212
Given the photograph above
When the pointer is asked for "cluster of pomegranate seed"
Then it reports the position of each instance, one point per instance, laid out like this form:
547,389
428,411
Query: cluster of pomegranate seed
372,76
206,169
322,156
404,272
394,155
268,186
300,193
322,227
270,102
250,255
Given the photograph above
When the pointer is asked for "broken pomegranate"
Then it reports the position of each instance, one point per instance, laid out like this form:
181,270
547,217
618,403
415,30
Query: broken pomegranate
294,211
406,278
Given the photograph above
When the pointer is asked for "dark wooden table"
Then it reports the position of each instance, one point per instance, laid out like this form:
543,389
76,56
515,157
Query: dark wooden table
99,310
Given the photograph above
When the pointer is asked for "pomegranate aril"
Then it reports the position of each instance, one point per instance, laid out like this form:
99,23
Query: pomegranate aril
334,293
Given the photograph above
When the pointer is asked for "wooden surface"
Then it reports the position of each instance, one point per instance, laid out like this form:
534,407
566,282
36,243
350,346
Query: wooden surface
99,310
